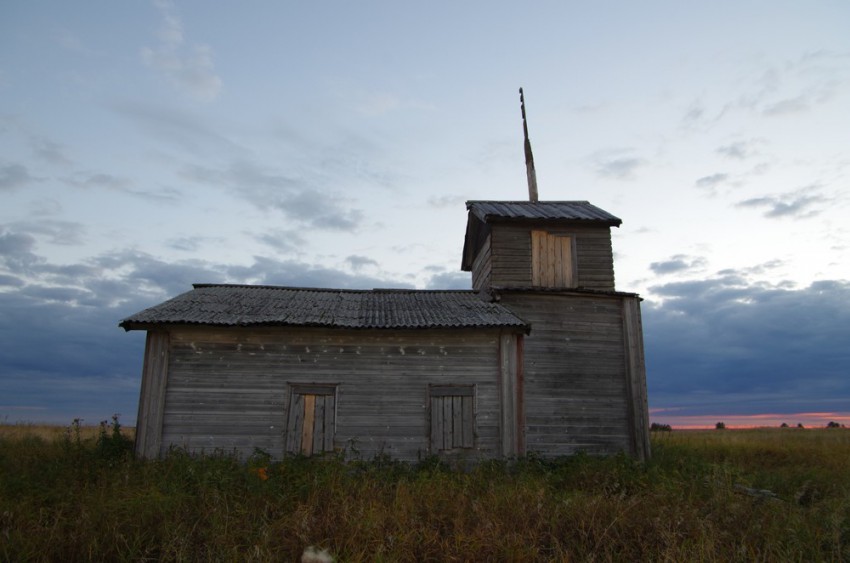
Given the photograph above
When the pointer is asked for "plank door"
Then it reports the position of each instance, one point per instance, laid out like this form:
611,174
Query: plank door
311,421
552,263
452,417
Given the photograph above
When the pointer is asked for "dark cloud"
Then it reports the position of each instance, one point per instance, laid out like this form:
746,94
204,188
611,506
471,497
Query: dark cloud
172,126
739,150
282,240
191,69
14,176
450,280
186,244
359,262
677,264
712,181
621,168
447,201
800,204
293,273
62,361
301,201
16,252
756,270
49,151
54,230
694,113
789,87
99,180
10,281
352,159
45,207
63,355
713,342
797,104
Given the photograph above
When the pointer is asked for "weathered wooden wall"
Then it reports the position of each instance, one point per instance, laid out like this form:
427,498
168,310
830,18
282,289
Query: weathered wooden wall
575,375
228,389
509,256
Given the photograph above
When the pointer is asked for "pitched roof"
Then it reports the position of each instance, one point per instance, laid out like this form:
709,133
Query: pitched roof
250,305
536,210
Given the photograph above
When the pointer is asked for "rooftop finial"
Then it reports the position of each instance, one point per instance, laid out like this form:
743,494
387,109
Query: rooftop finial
529,158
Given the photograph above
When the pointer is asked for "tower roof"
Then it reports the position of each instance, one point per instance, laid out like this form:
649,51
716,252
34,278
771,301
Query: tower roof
484,213
488,211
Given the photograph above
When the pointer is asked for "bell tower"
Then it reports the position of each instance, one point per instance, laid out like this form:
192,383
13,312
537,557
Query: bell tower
543,245
581,374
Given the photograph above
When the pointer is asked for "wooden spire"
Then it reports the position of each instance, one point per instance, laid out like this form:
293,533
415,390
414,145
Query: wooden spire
529,158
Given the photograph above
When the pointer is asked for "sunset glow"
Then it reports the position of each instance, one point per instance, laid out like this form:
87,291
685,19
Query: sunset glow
698,422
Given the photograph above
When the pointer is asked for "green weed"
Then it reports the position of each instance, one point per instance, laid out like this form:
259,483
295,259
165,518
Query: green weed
81,496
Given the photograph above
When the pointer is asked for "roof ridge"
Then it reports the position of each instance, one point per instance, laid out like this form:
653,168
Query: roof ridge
526,202
331,289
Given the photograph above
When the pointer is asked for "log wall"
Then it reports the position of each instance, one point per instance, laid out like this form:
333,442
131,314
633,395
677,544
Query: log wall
508,256
575,374
228,389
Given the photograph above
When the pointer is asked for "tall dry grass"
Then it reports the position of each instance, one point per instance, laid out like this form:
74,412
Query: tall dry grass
86,499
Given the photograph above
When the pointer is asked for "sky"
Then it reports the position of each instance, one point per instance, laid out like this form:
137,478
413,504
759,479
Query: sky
146,146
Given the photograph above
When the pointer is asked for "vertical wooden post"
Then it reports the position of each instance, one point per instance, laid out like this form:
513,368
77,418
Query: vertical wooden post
529,158
520,394
510,392
307,428
152,395
636,378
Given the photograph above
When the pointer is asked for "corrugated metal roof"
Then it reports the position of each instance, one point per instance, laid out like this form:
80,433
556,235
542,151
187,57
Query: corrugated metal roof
547,210
246,305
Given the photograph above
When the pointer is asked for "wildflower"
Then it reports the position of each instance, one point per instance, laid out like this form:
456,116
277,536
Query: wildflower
262,473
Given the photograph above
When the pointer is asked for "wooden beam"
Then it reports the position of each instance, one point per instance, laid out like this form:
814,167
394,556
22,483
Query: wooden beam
636,378
508,392
307,429
152,396
529,158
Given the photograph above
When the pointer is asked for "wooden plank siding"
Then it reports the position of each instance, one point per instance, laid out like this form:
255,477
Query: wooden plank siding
229,388
509,256
575,377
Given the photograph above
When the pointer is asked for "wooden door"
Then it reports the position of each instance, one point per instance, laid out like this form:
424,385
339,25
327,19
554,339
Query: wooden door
311,421
552,263
452,417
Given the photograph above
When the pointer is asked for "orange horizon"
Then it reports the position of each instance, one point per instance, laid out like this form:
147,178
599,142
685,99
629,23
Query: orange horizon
732,421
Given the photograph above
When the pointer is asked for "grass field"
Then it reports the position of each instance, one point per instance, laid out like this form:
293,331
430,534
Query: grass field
731,495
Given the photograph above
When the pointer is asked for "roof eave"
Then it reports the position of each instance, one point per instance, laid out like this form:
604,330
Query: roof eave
552,221
161,325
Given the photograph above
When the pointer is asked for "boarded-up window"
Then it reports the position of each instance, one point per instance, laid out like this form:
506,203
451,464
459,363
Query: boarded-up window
311,420
452,417
552,263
